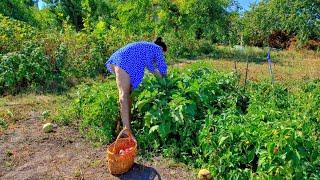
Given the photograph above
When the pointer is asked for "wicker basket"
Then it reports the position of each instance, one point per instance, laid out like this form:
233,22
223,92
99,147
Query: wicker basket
121,163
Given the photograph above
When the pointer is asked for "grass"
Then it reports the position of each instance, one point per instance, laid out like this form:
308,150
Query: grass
289,67
26,106
96,163
253,54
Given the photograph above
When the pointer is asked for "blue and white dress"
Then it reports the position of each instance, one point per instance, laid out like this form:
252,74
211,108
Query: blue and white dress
135,57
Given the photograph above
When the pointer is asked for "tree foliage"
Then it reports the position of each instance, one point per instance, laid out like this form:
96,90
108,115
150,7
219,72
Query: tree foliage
17,9
296,17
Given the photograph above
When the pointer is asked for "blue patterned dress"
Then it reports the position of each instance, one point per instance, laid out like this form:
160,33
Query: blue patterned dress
135,57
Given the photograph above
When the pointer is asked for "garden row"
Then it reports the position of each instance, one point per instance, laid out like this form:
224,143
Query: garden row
203,118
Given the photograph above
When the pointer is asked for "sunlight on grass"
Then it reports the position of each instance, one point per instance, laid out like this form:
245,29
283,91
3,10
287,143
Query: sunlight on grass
289,67
26,106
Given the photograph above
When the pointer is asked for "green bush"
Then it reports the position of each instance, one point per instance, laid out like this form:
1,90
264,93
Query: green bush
275,139
30,68
202,118
51,61
13,33
181,46
164,108
22,69
95,109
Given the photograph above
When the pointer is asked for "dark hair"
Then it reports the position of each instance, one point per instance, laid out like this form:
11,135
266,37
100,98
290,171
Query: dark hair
159,42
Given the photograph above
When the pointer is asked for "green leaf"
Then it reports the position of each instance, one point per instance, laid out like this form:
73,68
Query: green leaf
298,155
251,155
164,130
153,128
270,147
222,139
3,124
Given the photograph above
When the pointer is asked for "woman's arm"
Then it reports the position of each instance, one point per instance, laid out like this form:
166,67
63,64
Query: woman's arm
158,66
161,63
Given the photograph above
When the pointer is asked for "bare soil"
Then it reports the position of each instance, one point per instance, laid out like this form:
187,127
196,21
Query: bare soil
26,152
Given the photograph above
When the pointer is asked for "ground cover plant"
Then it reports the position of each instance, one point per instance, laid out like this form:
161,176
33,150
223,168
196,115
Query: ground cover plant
203,118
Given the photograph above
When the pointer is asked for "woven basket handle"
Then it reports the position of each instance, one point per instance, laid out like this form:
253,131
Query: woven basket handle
119,135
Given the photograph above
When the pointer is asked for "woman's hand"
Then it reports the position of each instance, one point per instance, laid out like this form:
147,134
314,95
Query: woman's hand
157,73
128,133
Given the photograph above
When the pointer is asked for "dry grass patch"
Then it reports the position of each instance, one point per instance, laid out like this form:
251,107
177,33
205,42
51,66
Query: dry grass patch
26,106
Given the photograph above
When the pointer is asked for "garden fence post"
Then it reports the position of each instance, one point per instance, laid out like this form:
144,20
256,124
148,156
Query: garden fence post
270,66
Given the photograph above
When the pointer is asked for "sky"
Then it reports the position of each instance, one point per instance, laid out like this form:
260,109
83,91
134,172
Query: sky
244,3
40,4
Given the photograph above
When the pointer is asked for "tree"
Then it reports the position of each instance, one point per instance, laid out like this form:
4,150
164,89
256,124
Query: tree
195,18
18,9
67,9
80,12
299,18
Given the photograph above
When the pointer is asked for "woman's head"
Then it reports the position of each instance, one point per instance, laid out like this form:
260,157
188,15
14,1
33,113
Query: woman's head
160,43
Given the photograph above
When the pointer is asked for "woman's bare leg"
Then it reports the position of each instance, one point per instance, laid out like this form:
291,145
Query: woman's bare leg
124,87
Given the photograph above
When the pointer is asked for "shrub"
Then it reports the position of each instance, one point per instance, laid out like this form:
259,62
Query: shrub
201,117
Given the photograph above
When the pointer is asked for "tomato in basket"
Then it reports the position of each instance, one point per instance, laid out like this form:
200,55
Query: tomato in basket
125,151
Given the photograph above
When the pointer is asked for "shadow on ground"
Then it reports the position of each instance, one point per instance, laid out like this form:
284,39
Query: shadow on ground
141,172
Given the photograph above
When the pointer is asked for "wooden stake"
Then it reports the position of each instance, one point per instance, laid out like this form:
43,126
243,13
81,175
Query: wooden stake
247,69
270,66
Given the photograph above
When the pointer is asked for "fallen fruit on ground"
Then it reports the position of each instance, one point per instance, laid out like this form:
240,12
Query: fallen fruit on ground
204,174
48,127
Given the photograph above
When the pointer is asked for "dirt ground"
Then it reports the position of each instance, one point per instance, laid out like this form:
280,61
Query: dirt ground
26,152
